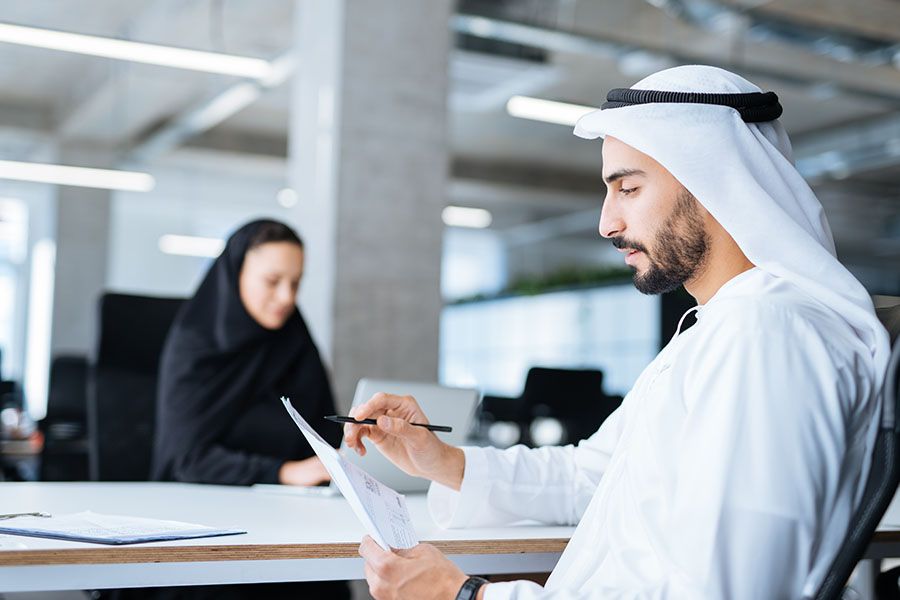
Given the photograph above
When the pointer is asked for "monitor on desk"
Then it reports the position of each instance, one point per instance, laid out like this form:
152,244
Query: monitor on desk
453,407
442,405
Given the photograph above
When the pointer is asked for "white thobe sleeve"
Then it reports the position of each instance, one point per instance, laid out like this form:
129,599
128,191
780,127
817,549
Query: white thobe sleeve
758,461
551,484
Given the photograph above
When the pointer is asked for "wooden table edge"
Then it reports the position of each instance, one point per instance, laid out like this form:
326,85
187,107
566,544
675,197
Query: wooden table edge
178,554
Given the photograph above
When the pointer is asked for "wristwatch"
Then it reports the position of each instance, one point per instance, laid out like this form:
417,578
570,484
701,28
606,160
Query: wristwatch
469,589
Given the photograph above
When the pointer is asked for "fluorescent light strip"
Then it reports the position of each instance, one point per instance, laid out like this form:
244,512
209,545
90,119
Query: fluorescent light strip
548,111
107,179
152,54
459,216
188,245
225,105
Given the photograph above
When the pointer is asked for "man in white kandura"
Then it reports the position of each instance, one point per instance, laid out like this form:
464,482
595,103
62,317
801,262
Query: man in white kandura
733,466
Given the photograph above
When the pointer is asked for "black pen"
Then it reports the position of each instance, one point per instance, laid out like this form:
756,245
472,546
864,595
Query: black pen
339,419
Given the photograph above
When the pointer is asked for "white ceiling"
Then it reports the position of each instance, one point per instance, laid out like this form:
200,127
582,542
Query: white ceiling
84,99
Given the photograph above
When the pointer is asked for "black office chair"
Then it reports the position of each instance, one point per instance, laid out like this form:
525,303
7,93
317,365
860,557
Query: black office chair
64,456
884,475
122,384
574,397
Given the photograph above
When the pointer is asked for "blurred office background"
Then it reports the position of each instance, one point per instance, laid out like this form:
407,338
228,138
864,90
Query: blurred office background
450,215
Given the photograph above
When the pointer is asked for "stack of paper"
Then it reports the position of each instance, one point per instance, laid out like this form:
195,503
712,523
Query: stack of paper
382,511
108,529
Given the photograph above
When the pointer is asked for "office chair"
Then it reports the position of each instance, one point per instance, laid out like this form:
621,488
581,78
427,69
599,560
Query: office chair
884,474
122,384
574,397
64,456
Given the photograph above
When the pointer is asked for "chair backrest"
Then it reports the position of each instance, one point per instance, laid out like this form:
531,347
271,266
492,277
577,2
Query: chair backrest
566,390
66,397
575,397
64,456
884,475
122,384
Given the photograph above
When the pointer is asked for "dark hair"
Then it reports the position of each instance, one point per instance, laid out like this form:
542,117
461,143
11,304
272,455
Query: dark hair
273,231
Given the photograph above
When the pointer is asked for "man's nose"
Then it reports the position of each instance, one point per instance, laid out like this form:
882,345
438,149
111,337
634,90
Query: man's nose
611,223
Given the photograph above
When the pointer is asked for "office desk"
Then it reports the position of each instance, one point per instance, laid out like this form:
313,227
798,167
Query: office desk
290,538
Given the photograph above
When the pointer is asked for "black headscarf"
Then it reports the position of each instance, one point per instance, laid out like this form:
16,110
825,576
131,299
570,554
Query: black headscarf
219,418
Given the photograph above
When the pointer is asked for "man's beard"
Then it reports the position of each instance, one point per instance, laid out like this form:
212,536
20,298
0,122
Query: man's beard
681,249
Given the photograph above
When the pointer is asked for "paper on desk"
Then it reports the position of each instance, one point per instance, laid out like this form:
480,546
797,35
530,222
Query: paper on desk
382,511
92,527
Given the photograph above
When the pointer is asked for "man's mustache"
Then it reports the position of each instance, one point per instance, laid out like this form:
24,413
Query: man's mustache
621,243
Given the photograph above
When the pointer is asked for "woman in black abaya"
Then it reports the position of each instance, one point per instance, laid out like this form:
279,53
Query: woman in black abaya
234,349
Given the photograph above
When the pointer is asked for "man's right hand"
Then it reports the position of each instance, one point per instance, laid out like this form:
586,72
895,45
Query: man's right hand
416,450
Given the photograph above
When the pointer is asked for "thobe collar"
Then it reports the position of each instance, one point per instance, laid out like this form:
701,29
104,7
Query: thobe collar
731,287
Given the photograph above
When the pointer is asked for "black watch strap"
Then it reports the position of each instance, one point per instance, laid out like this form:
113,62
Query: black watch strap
469,589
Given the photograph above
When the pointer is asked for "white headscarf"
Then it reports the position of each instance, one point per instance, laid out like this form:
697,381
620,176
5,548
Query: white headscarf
743,174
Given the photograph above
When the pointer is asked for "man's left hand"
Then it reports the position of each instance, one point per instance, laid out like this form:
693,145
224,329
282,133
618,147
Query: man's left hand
420,572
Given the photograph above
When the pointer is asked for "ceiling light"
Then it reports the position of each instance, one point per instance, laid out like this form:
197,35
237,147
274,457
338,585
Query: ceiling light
459,216
188,245
108,179
548,111
225,105
152,54
287,197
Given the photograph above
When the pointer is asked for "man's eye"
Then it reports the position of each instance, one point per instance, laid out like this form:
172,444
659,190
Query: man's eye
627,191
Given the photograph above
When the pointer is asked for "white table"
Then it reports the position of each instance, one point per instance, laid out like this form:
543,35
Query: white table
290,538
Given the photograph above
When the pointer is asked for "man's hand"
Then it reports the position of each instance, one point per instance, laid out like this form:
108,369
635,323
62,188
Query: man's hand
420,572
310,471
416,450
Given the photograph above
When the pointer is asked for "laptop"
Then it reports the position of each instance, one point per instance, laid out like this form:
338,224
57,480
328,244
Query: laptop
442,405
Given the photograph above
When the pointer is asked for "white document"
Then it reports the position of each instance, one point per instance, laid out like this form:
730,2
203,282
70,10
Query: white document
382,511
89,526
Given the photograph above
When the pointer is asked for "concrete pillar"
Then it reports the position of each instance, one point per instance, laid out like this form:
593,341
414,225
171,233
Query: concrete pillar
369,159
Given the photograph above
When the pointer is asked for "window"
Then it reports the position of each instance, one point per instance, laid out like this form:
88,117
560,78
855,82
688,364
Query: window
13,246
491,344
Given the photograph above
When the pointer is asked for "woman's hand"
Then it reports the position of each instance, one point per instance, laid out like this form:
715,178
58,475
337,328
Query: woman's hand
309,471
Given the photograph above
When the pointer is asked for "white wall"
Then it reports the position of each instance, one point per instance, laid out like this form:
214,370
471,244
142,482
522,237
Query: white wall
205,202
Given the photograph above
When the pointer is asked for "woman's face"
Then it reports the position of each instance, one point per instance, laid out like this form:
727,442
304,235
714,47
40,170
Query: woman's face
269,281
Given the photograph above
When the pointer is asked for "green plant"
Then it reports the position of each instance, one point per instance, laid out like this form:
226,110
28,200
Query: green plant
567,277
